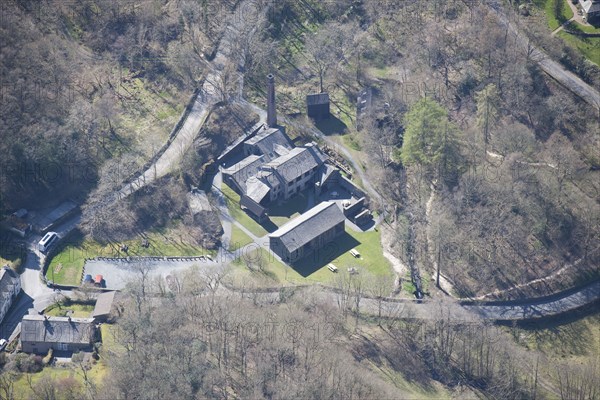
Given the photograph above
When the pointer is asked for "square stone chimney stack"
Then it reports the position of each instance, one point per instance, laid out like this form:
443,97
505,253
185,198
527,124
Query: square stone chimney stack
271,112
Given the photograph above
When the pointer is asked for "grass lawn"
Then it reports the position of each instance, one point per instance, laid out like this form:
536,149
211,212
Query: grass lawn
66,267
280,214
565,337
588,46
239,238
314,267
233,204
584,28
554,21
77,310
259,267
371,260
97,374
67,371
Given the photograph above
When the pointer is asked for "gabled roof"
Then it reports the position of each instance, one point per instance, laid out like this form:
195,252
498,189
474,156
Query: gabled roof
256,189
8,279
309,225
40,328
297,162
590,6
103,304
245,169
271,143
326,173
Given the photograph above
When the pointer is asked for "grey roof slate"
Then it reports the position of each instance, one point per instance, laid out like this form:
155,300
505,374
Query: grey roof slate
8,279
590,6
309,225
297,162
319,98
272,143
104,304
245,169
39,328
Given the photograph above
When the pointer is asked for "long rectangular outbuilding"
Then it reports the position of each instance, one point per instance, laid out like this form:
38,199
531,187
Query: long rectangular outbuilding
309,232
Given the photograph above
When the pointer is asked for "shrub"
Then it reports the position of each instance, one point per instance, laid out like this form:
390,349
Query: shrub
46,360
27,363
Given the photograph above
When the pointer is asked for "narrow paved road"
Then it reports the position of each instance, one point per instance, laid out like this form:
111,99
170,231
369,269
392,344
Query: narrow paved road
35,294
569,80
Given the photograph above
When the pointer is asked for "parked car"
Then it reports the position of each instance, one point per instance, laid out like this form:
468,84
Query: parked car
3,343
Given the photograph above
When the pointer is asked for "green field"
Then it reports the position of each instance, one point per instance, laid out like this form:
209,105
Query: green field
70,372
588,46
554,20
66,267
280,214
239,238
313,268
73,310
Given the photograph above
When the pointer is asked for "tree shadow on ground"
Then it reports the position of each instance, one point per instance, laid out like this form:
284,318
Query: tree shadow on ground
318,259
569,332
331,126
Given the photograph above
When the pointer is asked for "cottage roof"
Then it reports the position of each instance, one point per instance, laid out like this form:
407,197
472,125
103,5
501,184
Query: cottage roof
45,329
309,225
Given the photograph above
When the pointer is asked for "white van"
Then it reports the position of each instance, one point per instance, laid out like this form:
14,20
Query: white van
47,241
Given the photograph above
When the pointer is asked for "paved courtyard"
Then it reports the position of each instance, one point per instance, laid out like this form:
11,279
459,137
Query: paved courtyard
117,274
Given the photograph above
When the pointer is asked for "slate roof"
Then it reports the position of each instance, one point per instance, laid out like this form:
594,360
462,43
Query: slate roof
319,98
298,161
244,170
45,329
591,6
8,279
309,225
328,170
104,304
256,189
272,143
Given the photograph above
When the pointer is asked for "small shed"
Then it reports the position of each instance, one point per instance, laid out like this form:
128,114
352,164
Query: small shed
103,308
317,106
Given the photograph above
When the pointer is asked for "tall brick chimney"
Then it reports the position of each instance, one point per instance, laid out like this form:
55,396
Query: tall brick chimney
271,112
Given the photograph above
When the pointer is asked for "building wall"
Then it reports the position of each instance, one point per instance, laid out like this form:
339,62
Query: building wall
43,347
318,111
317,243
7,302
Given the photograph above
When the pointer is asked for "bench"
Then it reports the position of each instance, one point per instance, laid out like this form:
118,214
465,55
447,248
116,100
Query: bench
355,253
332,268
